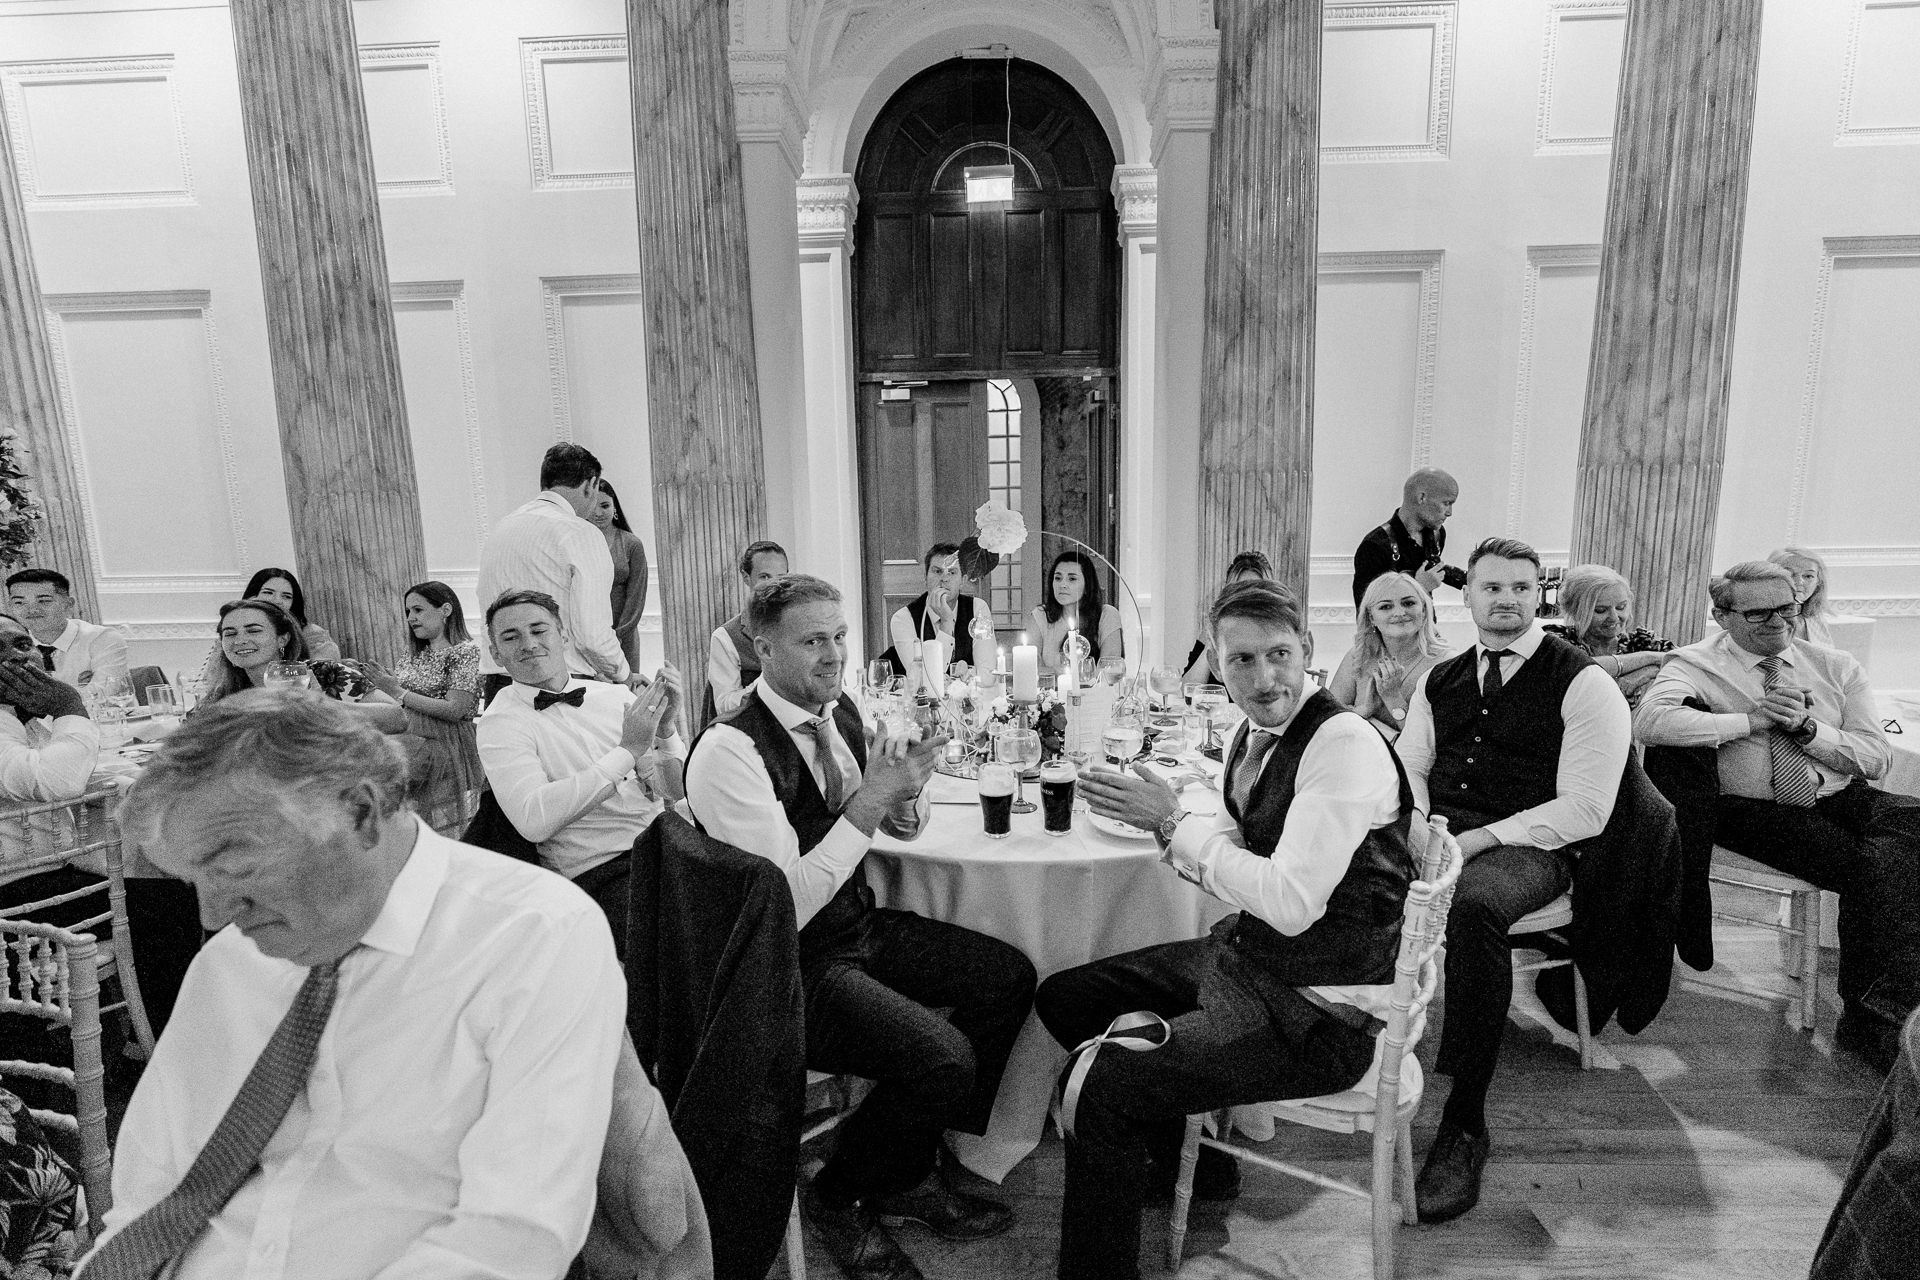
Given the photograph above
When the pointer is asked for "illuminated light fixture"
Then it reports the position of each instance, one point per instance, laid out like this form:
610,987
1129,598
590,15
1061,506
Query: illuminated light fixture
989,183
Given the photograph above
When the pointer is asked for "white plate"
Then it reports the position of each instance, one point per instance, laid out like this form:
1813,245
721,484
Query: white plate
1114,827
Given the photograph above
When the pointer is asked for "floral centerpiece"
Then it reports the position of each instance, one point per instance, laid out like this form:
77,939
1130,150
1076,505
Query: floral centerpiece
20,511
1049,720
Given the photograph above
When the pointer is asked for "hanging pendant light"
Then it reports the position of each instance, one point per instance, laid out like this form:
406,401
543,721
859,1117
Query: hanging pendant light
993,183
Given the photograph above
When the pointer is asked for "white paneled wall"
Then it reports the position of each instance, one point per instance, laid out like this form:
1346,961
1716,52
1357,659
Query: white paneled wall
1556,336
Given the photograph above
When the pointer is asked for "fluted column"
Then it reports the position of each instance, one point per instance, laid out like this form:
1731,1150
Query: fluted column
1653,436
348,458
1256,407
30,397
703,407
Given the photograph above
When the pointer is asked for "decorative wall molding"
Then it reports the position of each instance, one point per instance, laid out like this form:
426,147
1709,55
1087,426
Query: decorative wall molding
535,55
424,57
554,290
1832,247
1136,194
455,293
226,585
1877,606
1559,12
1180,86
58,307
16,77
1341,566
1848,134
1441,17
765,107
1907,557
826,205
1427,263
1538,256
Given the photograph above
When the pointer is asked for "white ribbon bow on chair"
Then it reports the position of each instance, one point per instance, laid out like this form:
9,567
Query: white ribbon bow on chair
1119,1033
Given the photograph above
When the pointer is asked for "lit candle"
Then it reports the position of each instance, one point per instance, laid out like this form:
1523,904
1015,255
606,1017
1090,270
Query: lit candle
1068,686
1002,668
933,664
1026,673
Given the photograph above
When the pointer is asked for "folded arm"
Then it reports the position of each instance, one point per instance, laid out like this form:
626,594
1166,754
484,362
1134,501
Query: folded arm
1596,736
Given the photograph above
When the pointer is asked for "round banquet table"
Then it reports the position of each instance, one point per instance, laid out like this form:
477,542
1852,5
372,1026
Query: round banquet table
1063,900
1903,711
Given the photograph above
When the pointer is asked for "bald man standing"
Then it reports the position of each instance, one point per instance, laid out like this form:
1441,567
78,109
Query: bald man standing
1413,538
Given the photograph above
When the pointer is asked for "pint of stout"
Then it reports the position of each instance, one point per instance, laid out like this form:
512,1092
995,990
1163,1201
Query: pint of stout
1056,795
996,799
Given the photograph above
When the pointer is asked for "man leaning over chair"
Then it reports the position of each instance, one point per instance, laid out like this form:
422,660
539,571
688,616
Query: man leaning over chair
1284,1000
1520,743
1797,740
789,776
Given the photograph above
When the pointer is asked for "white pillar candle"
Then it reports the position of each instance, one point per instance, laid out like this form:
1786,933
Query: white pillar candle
1026,673
933,662
1068,685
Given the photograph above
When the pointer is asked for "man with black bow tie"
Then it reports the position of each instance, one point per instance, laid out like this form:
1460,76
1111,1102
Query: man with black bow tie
580,767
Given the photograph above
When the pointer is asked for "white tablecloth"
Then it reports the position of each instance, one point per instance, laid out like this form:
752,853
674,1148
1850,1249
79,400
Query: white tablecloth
1063,900
1903,775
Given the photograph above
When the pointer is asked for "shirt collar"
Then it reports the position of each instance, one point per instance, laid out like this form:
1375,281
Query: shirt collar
551,498
1750,661
65,639
410,901
526,693
1525,646
790,715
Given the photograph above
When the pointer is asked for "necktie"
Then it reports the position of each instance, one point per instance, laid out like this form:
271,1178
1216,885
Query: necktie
1496,680
165,1231
1247,772
834,785
51,654
1794,781
544,699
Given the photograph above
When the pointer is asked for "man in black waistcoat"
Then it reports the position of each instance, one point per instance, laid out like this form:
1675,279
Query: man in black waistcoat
1520,743
789,776
1285,999
942,612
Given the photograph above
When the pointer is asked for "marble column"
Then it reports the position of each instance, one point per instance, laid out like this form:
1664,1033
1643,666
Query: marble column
1653,435
709,496
30,397
1256,408
828,505
348,459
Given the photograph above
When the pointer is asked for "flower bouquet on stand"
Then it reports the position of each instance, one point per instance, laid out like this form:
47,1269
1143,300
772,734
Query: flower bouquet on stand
20,512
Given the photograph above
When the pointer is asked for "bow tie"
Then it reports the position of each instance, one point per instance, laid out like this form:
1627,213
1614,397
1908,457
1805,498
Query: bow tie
545,699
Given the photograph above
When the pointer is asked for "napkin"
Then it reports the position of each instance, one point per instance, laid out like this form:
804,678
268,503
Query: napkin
945,789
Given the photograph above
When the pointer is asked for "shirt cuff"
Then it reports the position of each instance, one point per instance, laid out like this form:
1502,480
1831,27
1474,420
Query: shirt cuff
673,747
616,765
1510,831
1731,726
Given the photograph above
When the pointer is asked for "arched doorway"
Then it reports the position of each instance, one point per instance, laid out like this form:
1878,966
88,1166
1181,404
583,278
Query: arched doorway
986,334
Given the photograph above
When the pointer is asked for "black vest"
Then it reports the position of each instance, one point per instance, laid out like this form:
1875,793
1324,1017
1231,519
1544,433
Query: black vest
962,626
1494,757
736,629
1358,939
840,923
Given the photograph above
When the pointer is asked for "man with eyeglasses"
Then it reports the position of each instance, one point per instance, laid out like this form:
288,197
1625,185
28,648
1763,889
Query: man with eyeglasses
1797,741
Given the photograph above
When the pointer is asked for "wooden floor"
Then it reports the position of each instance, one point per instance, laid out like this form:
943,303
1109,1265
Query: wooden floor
1710,1147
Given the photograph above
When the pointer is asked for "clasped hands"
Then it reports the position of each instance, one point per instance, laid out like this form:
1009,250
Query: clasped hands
655,713
898,767
1783,707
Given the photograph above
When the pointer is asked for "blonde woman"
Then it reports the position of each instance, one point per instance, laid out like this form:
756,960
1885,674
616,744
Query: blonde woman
1596,608
1395,640
1810,589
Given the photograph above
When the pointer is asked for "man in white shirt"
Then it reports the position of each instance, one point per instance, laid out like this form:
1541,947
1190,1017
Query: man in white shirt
942,612
47,750
732,664
548,546
77,652
1798,739
580,767
1285,999
789,776
1520,742
396,1057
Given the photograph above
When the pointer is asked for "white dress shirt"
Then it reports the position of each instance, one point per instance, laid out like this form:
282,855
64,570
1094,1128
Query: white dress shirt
562,777
454,1117
544,546
86,651
44,759
1848,741
1597,733
723,672
907,640
731,795
1346,786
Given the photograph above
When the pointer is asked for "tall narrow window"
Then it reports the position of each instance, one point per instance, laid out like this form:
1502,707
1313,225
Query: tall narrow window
1003,486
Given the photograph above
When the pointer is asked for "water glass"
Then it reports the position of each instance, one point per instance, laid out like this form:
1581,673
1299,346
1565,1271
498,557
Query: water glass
111,720
1124,737
164,706
1019,747
1165,682
1211,701
879,674
1112,670
287,675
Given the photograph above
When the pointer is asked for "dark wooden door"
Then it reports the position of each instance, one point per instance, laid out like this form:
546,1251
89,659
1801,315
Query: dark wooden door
923,472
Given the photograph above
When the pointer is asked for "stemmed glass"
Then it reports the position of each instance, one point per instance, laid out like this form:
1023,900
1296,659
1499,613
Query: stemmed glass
1020,748
1165,682
879,674
1112,670
1211,701
287,675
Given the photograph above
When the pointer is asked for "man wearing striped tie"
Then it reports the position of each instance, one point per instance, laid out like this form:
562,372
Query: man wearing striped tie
1798,740
395,1057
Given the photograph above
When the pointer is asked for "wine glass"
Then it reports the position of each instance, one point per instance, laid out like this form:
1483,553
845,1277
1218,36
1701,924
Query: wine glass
879,674
1210,700
1019,747
287,675
1123,737
981,629
1112,670
1165,682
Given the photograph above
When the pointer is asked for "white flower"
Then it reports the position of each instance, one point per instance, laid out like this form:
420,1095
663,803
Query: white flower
1001,530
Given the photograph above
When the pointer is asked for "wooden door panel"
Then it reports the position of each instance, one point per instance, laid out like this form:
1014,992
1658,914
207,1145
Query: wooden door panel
1027,292
889,304
1083,293
950,285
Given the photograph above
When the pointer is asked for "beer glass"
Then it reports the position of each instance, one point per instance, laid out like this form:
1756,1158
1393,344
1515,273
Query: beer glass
996,799
1056,795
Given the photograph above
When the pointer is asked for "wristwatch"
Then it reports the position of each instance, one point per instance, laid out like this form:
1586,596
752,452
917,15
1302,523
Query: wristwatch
1809,730
1164,832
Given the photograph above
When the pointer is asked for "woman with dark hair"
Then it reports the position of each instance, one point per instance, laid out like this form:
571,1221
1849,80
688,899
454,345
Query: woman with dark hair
255,634
439,687
629,568
283,589
1244,567
1073,601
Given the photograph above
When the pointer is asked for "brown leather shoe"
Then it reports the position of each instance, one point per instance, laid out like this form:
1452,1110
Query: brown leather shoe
856,1241
949,1213
1449,1182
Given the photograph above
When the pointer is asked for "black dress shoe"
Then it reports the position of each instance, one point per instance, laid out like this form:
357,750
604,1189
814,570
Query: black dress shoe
1449,1182
1216,1176
949,1213
857,1242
